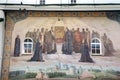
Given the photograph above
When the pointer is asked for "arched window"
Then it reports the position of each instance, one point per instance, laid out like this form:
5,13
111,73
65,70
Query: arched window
73,1
42,2
28,45
96,46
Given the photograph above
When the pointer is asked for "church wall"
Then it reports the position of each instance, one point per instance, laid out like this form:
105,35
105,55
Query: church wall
29,20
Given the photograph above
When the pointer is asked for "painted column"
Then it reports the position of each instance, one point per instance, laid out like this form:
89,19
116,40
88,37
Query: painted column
2,28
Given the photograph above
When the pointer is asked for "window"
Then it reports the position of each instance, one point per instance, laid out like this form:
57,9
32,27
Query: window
96,46
28,45
73,1
42,2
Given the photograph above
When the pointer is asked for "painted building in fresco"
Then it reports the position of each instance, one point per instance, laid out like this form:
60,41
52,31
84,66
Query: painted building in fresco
63,41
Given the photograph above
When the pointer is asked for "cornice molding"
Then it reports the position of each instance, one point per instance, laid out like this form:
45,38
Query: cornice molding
61,7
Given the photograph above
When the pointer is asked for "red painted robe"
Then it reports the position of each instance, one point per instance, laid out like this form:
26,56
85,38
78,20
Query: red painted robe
77,41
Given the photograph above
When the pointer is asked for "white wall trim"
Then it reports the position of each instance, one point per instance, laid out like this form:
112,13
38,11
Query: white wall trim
2,30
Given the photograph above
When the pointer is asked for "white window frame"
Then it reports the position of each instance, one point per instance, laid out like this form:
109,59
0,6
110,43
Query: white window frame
27,43
95,47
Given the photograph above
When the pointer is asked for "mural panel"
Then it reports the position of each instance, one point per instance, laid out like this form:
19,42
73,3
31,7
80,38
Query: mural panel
53,48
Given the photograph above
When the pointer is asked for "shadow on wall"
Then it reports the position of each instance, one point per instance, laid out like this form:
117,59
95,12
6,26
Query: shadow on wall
114,16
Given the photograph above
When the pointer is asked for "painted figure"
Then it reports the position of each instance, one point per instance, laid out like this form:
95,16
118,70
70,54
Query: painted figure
64,48
77,38
17,46
108,45
69,41
37,34
42,35
73,30
95,34
37,53
50,44
85,56
45,40
88,37
33,36
28,34
83,33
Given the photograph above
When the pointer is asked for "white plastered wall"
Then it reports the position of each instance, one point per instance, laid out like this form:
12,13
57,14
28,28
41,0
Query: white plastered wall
2,28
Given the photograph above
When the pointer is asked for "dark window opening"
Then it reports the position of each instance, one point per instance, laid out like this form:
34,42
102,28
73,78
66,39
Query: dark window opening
73,1
42,2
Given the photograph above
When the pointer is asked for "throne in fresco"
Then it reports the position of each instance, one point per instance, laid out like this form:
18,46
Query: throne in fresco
59,31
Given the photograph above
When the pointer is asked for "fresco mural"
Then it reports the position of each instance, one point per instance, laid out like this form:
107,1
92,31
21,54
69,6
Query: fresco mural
68,48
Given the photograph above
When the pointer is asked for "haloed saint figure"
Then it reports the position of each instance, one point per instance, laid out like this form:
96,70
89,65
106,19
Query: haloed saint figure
17,46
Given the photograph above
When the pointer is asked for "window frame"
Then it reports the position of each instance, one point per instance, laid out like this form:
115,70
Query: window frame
73,1
31,43
96,43
42,2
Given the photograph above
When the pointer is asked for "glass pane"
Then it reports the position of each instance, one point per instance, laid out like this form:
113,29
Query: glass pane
93,45
29,50
97,41
93,51
93,41
98,51
28,46
26,50
25,45
97,46
27,40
